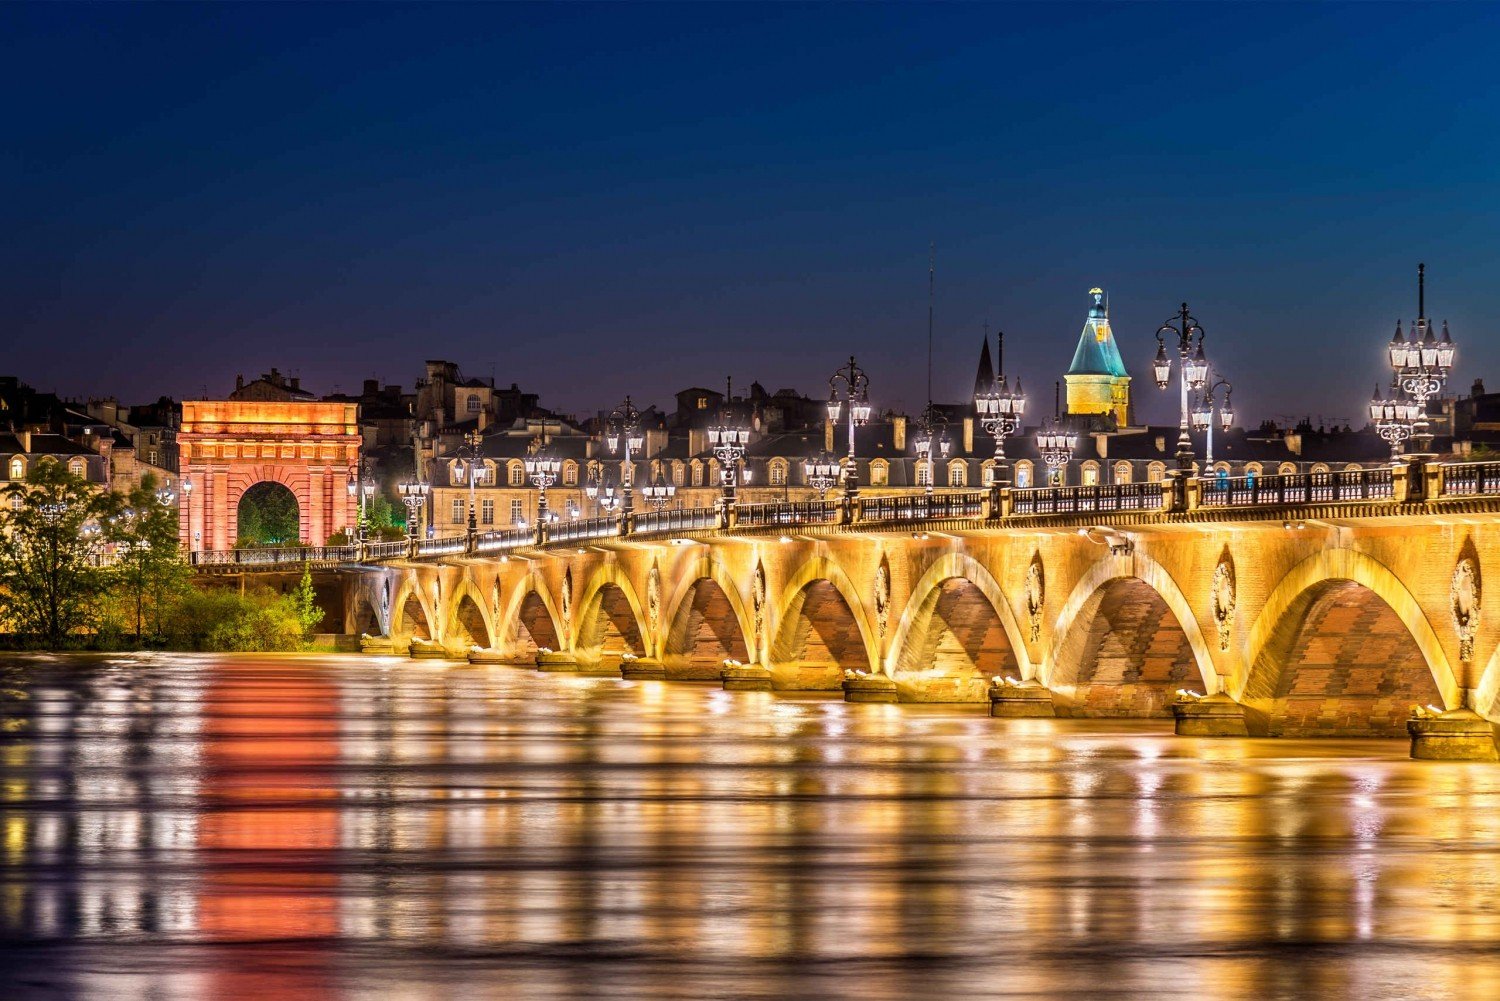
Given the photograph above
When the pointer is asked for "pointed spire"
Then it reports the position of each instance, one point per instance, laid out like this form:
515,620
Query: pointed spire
1097,353
1397,337
984,377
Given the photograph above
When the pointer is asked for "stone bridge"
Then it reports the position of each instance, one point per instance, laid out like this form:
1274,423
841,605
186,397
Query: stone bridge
1335,615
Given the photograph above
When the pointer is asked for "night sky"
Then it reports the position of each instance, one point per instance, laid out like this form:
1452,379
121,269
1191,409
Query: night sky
595,200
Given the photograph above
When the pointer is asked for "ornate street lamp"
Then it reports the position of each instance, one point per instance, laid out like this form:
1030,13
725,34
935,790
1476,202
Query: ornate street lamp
1000,410
728,444
931,443
1193,369
821,472
1203,414
1421,365
1056,445
542,469
854,385
414,495
623,428
473,466
1395,418
659,492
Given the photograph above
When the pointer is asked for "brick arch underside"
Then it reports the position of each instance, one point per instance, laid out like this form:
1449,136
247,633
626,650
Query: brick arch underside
956,645
1128,656
469,626
818,640
608,630
1340,663
704,633
413,619
532,629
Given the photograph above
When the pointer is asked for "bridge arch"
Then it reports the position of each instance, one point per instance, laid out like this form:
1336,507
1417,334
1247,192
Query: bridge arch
366,616
956,632
1343,633
609,611
412,616
469,622
1128,619
706,621
820,612
530,620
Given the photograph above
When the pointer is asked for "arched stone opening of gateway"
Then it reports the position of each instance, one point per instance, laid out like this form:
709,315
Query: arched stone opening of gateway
469,626
1125,655
818,640
1340,663
703,633
267,515
414,619
956,643
607,630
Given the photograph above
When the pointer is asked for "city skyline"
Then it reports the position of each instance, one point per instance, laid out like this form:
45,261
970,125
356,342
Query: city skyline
346,193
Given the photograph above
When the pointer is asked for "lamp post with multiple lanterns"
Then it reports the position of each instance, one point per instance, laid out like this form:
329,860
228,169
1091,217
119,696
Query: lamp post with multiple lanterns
361,486
414,495
1203,414
542,469
728,443
659,492
1193,370
932,443
469,453
852,384
1000,410
1419,370
623,431
821,472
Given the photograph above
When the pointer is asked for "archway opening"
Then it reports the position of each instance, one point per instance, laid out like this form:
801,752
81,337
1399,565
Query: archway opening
1126,655
268,516
532,629
414,619
955,644
469,626
1340,663
704,633
818,640
608,630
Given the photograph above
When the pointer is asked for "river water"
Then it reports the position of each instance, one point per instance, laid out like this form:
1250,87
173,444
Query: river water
195,827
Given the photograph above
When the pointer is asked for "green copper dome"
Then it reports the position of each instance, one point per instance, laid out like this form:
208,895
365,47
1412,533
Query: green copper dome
1097,353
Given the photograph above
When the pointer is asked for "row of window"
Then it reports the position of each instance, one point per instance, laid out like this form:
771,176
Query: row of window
76,465
486,512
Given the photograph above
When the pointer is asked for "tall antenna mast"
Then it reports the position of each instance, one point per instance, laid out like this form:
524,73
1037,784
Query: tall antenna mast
931,271
1421,291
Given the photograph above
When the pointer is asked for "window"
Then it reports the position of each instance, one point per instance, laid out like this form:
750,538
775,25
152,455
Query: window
1023,475
1090,474
76,466
570,473
458,510
958,474
516,514
18,468
1123,472
677,474
1320,468
880,473
777,472
987,474
702,403
697,473
1286,469
151,457
487,511
472,405
517,474
924,476
1155,472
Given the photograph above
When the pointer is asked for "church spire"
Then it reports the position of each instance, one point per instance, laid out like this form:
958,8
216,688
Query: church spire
984,377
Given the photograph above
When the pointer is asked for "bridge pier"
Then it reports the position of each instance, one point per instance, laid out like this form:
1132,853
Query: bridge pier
1020,700
739,677
559,661
1214,715
869,688
642,669
1455,735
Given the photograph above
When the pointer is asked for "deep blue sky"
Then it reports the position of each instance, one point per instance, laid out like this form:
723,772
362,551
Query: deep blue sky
594,200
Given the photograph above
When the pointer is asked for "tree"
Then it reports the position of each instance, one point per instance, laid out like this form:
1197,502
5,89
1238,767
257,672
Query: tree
149,568
47,563
305,602
267,516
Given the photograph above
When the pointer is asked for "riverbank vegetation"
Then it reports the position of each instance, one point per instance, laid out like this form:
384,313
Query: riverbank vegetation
82,568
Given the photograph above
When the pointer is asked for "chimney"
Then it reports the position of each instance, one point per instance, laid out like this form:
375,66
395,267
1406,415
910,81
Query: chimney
898,432
827,435
239,382
969,435
26,442
296,382
1478,389
484,419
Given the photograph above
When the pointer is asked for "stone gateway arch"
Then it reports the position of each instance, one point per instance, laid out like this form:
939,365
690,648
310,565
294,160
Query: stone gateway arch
227,446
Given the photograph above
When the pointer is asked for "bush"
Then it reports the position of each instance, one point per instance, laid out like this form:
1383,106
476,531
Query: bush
259,619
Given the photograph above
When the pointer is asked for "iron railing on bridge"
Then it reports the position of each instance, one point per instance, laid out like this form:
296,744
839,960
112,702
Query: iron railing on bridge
680,520
905,507
1297,488
1471,479
584,528
277,556
818,512
510,538
1080,500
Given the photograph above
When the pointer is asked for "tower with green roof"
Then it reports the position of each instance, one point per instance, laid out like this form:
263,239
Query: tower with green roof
1097,380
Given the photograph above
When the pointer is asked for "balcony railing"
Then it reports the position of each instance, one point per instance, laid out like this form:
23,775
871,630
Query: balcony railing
682,520
1100,497
1297,488
1471,479
818,512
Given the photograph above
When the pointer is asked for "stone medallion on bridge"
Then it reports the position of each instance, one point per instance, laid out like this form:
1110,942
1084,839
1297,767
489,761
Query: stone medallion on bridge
227,447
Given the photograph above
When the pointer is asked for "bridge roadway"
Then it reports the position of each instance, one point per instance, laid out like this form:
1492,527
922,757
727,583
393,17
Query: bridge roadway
1339,604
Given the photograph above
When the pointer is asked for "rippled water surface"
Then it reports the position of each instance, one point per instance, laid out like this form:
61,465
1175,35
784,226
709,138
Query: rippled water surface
196,827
